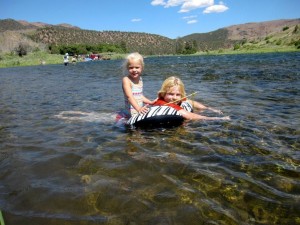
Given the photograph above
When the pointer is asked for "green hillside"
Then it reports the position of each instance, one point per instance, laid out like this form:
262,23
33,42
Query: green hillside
210,41
266,36
148,44
22,37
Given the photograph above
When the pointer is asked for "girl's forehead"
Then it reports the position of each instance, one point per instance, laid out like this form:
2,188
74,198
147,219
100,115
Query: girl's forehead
134,62
174,89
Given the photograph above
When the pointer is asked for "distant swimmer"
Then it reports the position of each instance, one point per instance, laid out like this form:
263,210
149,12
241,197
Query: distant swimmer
66,59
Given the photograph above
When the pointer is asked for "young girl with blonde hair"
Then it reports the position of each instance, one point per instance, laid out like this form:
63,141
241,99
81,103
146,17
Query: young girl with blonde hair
172,93
132,85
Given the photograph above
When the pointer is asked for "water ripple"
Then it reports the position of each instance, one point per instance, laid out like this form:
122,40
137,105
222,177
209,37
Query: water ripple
63,161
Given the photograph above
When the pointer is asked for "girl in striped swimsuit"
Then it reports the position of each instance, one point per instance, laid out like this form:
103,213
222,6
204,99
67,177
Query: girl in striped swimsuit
132,84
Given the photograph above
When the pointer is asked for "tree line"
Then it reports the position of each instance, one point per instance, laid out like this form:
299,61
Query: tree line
77,49
182,47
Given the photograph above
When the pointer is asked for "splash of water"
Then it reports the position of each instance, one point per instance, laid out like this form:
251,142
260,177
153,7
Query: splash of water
74,116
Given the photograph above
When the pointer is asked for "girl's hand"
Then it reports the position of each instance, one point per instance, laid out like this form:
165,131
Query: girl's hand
216,110
144,109
225,118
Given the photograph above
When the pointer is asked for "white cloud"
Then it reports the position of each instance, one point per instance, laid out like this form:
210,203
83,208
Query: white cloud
172,3
189,17
186,5
158,2
192,21
189,5
215,9
136,20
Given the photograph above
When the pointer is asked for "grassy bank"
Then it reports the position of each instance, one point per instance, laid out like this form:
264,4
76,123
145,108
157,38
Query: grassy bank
251,51
38,58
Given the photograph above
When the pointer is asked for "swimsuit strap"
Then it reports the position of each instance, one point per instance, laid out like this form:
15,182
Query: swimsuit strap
187,106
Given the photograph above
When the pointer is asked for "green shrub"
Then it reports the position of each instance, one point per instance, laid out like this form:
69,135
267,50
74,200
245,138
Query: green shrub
236,46
297,44
285,28
279,42
22,49
268,37
36,49
295,29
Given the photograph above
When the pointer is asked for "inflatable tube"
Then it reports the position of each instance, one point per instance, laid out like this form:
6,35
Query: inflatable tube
157,116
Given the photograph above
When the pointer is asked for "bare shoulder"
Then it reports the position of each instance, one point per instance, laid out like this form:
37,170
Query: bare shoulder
126,81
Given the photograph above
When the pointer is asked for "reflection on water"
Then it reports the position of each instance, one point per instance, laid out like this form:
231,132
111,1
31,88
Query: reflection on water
62,160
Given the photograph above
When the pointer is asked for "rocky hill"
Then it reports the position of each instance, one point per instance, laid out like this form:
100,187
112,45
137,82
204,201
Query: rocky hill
41,35
288,31
253,31
141,42
16,25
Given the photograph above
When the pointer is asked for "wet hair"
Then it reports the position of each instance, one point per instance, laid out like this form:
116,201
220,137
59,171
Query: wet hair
169,83
133,56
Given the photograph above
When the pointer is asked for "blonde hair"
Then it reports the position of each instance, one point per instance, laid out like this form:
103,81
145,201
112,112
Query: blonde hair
133,56
169,83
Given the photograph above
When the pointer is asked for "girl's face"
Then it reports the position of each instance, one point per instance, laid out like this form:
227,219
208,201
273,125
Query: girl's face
135,69
173,94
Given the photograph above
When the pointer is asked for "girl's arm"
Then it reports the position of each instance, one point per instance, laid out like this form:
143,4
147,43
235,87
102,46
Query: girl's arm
199,106
194,116
147,101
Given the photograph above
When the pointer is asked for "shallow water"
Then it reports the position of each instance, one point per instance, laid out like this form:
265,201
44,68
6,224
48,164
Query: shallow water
63,161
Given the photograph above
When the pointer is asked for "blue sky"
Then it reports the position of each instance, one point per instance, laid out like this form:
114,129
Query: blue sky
169,18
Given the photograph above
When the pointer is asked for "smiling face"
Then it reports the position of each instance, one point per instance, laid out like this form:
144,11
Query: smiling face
135,69
173,94
172,90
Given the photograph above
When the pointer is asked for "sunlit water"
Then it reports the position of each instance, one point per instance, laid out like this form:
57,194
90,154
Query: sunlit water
63,160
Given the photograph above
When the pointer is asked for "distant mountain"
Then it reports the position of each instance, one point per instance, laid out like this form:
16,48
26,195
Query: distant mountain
41,35
252,31
249,32
15,25
9,24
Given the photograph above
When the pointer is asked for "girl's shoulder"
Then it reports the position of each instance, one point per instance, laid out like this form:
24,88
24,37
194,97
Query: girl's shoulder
139,81
126,81
126,78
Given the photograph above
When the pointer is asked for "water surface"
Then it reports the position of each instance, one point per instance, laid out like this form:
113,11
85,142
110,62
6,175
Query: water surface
63,161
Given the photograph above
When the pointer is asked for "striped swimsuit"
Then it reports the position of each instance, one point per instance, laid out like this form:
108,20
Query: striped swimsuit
137,91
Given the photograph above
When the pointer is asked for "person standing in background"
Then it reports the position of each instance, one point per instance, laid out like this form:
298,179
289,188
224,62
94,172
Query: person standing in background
66,59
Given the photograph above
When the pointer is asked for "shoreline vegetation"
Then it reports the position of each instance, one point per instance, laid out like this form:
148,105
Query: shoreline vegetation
24,45
44,58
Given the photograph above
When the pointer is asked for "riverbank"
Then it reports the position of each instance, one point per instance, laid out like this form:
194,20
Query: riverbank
39,58
44,58
255,50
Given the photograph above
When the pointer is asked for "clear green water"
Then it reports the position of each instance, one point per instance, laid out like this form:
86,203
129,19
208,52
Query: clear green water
62,160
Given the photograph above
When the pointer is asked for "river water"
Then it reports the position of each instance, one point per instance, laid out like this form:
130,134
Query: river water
63,160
